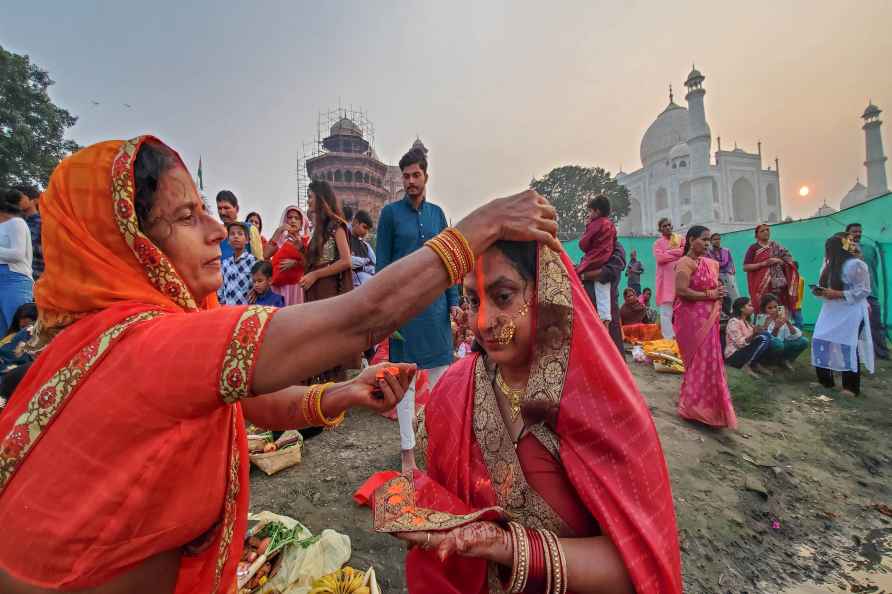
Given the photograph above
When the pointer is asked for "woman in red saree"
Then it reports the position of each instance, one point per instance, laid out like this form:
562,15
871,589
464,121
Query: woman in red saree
698,302
769,269
547,426
123,457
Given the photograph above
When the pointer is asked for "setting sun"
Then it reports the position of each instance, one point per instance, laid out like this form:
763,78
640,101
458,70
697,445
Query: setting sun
803,191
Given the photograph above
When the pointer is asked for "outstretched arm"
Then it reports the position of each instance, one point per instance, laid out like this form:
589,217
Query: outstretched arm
303,340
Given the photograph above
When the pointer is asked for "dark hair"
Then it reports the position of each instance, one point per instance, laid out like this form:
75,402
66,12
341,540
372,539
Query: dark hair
259,218
626,291
348,212
152,160
26,310
759,226
413,157
263,267
10,201
693,233
738,305
328,215
766,299
244,227
364,217
33,193
600,203
523,256
835,256
715,235
850,225
227,196
646,289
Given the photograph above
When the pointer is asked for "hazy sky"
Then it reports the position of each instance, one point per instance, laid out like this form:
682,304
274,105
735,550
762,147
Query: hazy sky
498,91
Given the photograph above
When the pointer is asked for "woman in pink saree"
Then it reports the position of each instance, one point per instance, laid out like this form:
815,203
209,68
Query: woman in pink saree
698,300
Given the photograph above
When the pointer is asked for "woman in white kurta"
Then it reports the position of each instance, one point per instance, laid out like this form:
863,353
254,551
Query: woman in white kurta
842,339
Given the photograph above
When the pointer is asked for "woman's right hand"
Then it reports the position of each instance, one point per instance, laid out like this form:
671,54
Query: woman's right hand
286,264
526,216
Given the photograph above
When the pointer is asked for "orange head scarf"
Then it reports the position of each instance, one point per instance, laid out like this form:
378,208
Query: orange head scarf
95,253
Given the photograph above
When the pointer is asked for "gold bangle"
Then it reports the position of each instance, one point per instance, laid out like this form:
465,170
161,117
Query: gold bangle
326,422
307,407
557,565
442,250
522,569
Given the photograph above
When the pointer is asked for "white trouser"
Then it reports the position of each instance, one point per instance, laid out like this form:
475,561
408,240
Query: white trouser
602,298
666,321
405,410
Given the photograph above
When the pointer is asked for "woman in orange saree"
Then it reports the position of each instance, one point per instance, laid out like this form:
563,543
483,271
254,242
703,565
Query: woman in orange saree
123,458
769,269
548,429
698,301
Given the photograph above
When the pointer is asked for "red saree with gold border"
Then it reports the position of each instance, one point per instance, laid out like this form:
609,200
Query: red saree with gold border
581,403
125,439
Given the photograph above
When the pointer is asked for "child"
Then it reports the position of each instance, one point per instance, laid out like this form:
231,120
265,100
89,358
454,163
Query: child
597,243
261,293
236,268
786,341
745,345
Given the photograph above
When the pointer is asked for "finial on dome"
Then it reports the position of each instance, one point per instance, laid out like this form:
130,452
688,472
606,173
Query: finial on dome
671,96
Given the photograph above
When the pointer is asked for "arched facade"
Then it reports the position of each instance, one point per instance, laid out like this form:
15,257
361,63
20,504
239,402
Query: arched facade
743,200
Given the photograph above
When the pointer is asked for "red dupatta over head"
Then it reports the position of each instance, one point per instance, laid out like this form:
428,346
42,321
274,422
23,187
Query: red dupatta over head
124,440
583,406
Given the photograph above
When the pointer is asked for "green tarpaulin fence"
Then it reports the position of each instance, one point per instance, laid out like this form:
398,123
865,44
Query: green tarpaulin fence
805,240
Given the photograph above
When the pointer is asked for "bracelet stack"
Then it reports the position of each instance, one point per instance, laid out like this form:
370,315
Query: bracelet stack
455,252
539,561
312,408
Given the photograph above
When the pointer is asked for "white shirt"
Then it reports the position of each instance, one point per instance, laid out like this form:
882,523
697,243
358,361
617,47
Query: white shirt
15,245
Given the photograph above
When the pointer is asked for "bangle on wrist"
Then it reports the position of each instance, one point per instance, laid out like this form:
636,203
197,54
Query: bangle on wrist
312,408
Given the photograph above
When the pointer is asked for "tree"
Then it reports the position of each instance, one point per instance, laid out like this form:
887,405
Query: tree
32,127
569,188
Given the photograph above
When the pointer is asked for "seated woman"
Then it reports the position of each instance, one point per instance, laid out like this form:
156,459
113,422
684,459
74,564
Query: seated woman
633,314
745,347
786,341
546,424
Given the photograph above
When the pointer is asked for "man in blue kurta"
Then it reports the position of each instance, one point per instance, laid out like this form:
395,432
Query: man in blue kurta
426,340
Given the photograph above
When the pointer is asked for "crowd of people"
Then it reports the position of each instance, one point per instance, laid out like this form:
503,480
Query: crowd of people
699,306
157,332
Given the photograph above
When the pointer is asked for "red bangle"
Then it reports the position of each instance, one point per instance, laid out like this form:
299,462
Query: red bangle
536,575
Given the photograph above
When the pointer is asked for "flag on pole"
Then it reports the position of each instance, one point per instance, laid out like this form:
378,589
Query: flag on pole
200,175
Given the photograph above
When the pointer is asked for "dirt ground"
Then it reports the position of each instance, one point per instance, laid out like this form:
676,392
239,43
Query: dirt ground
793,501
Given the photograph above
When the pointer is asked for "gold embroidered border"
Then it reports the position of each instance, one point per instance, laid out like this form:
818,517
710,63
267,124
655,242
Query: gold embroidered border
238,362
513,492
229,506
158,268
50,399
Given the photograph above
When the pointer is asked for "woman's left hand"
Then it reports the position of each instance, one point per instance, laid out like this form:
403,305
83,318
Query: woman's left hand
485,540
307,280
381,394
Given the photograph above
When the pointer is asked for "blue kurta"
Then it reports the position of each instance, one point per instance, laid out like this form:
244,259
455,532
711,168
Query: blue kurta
401,231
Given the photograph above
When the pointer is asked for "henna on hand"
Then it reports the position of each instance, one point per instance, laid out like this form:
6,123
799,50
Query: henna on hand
486,540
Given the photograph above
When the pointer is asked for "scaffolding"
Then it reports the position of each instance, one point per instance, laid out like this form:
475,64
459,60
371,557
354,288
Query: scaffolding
311,149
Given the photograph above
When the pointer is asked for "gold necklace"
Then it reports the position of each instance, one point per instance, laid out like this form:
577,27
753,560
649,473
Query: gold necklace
514,395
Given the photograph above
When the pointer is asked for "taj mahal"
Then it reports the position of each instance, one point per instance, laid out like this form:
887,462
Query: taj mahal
679,180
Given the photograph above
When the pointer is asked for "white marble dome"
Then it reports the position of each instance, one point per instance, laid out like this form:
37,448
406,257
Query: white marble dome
679,150
855,196
669,129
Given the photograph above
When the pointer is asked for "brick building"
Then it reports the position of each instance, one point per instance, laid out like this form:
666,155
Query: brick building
348,161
